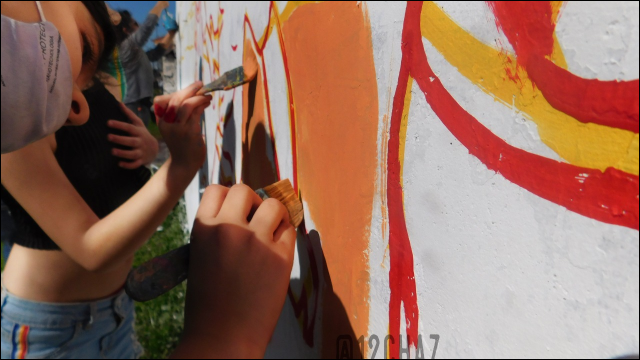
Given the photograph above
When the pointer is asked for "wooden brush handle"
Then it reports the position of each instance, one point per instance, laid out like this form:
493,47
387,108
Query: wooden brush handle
158,275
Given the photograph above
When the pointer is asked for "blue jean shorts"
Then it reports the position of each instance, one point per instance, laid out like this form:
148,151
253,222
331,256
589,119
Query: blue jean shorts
101,329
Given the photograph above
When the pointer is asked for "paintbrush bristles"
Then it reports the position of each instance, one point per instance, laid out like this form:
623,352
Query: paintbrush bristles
283,191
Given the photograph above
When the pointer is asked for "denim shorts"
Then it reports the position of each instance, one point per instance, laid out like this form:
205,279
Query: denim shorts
100,329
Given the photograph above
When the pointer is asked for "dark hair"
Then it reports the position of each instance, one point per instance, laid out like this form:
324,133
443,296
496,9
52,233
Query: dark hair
100,14
125,24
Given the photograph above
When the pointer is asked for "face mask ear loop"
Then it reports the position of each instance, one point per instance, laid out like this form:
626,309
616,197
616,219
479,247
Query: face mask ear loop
40,11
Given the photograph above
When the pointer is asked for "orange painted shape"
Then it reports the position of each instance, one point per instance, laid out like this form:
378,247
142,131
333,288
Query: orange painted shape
333,80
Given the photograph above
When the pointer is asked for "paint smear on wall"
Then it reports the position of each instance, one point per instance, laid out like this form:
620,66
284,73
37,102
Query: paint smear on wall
333,80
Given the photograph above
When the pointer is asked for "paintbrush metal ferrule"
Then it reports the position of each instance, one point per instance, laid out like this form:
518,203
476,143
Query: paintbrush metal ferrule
229,80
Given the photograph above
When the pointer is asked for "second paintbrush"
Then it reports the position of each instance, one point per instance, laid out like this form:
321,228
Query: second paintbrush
163,273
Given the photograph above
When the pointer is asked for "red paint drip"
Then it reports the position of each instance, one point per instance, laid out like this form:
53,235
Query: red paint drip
401,276
529,28
234,47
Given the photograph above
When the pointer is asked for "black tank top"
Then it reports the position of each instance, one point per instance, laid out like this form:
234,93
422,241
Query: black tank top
84,154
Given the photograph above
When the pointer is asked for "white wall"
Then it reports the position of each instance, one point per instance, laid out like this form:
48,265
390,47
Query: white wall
499,271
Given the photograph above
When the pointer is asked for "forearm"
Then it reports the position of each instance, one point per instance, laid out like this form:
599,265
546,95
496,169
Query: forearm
142,35
125,230
157,9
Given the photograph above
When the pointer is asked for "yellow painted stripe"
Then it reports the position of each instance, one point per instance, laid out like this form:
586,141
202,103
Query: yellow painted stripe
557,56
587,145
404,123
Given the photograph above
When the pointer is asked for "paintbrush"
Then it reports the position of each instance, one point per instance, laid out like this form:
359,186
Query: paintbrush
161,274
236,77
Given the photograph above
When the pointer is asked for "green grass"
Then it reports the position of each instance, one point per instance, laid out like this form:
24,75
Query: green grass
159,322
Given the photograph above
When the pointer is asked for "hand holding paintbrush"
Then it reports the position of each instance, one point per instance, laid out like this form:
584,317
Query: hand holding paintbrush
241,256
236,77
163,273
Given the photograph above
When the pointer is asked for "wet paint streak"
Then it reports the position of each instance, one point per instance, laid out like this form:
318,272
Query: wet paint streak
530,28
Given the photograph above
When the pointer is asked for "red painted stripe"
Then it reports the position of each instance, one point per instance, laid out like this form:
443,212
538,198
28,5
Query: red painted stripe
529,27
401,276
608,103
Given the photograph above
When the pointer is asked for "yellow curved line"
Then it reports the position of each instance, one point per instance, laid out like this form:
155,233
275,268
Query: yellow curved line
587,145
404,123
557,56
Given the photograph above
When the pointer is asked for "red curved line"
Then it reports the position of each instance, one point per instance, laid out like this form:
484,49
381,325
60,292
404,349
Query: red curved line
529,28
608,103
402,282
610,197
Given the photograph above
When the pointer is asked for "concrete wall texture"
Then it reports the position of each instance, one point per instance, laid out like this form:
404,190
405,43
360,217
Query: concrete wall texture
469,170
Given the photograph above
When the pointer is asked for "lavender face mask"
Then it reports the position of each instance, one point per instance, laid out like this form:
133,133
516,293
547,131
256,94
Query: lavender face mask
36,82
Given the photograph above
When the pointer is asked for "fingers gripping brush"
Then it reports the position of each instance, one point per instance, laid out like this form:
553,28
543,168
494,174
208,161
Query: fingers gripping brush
161,274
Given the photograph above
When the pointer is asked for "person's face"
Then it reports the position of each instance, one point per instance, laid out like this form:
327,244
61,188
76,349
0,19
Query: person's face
80,33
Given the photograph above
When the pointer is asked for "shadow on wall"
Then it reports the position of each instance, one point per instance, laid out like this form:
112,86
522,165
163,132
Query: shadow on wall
338,317
305,293
258,160
227,173
321,315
